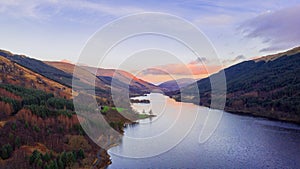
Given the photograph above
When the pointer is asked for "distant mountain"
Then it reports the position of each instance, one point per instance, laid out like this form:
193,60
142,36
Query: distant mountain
62,73
267,87
122,79
176,84
105,76
82,74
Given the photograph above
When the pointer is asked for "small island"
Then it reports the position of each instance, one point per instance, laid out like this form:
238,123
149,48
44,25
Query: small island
139,101
144,115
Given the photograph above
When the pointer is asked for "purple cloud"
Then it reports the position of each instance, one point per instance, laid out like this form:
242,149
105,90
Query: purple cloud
180,69
154,71
279,30
237,58
199,60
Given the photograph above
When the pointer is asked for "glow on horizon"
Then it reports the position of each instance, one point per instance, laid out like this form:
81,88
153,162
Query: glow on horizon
58,30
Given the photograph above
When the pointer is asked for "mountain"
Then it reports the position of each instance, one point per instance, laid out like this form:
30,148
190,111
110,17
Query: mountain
173,85
85,78
120,81
121,78
268,86
37,118
38,124
12,73
62,72
39,67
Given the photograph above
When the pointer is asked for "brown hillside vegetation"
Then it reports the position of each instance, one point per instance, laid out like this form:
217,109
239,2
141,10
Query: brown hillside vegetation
278,55
12,73
84,75
45,131
123,76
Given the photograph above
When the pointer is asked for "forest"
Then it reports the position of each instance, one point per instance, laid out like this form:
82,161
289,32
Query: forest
42,131
261,88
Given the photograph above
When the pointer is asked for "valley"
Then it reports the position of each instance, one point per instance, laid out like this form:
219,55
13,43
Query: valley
44,130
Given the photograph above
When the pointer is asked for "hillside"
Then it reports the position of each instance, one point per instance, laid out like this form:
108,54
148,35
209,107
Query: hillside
37,120
51,72
122,78
38,124
267,87
39,67
173,85
104,77
278,55
39,130
12,73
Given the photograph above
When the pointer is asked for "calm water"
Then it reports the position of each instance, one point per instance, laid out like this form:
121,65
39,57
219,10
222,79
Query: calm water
238,141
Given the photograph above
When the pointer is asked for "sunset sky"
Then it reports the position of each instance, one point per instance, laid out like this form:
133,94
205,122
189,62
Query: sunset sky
57,30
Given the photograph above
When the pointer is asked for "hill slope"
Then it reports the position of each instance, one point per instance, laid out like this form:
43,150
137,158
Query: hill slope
62,77
39,67
268,87
176,84
38,124
39,117
12,73
83,75
122,78
105,76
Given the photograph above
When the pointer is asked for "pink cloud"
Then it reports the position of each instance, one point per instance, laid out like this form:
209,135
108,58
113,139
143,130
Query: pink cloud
180,69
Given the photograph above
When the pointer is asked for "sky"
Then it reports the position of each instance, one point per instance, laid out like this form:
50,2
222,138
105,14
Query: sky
59,30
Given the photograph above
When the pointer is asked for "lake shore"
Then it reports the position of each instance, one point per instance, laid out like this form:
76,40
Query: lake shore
266,114
106,160
246,138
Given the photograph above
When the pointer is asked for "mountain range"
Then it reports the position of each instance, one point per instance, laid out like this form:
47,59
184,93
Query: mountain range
267,86
37,111
62,73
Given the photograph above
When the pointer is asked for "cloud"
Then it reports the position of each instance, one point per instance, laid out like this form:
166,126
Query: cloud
180,69
103,8
239,57
215,20
199,60
19,8
278,30
236,59
154,71
195,67
48,8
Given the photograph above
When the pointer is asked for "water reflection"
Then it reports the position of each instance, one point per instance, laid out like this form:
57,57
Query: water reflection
238,142
160,134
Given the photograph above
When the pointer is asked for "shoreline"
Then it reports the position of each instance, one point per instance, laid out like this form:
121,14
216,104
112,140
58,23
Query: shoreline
249,113
246,113
227,110
127,123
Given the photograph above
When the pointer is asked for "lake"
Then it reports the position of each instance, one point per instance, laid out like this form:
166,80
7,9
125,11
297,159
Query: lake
171,140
